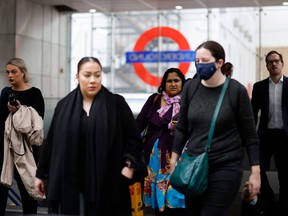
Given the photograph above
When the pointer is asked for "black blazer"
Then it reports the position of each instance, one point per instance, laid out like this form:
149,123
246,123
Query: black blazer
260,101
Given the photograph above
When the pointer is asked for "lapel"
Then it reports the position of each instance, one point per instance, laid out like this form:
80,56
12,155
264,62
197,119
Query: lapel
266,93
284,91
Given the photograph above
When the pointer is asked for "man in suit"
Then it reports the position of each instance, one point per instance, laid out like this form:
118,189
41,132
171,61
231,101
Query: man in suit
270,98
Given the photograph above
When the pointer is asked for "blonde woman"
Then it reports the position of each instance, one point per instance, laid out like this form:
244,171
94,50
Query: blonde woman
28,95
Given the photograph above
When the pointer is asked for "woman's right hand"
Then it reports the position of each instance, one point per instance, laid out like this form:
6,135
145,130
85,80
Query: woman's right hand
12,108
39,187
254,180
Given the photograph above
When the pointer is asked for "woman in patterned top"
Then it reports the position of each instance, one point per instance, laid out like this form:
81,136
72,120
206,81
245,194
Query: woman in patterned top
159,117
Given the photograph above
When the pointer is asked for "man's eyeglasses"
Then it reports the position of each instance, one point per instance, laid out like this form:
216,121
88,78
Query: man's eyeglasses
276,61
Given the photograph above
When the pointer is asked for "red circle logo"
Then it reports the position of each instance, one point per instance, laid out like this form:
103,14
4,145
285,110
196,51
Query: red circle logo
148,36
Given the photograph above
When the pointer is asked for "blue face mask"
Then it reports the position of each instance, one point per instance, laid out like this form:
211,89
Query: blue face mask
205,70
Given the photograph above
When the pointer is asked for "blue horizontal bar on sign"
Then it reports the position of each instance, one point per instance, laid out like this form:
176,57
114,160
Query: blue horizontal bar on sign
164,56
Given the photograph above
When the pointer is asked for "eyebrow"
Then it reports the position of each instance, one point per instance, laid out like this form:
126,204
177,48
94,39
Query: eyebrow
11,70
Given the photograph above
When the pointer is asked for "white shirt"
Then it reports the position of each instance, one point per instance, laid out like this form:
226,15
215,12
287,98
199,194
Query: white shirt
275,120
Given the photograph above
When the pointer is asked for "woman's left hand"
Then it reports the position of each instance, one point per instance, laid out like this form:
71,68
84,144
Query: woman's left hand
173,124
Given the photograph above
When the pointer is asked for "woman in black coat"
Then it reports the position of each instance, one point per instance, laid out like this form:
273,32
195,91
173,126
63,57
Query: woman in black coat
91,150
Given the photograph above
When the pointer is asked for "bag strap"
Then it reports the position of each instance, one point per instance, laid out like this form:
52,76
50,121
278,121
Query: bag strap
212,126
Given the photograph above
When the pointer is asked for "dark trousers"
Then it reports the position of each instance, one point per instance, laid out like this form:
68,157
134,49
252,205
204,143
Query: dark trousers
274,143
29,204
3,199
224,184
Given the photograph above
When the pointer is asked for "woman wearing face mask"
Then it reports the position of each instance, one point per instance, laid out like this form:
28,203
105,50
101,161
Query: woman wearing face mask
234,132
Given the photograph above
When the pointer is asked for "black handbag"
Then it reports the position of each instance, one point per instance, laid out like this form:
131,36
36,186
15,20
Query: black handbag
190,176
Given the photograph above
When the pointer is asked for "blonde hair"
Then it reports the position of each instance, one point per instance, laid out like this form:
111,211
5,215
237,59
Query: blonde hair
22,66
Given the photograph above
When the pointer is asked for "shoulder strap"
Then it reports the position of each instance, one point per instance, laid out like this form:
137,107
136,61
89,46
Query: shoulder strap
212,126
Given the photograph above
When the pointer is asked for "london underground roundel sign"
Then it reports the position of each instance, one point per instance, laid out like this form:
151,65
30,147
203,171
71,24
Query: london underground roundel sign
148,36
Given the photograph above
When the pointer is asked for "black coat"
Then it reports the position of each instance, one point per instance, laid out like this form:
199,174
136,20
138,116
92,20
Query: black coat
260,101
111,137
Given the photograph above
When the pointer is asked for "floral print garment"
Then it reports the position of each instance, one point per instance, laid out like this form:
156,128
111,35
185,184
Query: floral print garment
158,193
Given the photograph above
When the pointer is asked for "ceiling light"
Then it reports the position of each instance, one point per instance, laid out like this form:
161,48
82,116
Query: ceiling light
92,10
178,7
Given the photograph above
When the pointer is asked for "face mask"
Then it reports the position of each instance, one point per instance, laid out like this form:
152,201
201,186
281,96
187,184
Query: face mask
205,70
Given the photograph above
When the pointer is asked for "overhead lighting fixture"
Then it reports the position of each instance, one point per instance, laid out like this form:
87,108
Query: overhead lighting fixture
285,3
92,10
178,7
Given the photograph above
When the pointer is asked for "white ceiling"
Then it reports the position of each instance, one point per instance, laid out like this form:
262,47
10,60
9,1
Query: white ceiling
107,6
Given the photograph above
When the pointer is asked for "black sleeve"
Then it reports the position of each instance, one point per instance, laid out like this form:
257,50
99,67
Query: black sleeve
143,117
43,166
131,135
247,127
38,102
182,128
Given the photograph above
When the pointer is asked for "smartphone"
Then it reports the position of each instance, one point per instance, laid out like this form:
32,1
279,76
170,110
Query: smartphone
12,98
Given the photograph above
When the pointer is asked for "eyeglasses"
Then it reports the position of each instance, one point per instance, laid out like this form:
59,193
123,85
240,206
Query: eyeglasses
276,61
